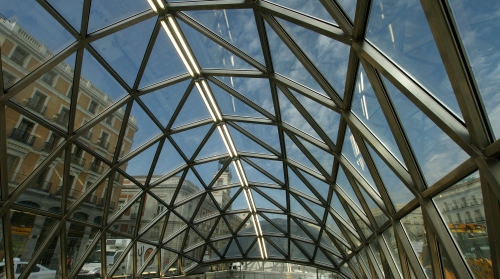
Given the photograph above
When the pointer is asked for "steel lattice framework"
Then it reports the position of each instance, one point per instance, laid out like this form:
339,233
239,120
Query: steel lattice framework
310,154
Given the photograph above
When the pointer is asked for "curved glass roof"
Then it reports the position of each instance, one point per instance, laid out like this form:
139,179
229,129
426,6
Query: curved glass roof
157,138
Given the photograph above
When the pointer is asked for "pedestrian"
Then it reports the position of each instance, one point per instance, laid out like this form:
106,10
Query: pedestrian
69,263
18,258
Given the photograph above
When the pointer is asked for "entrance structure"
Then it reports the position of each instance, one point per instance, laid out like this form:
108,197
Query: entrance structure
157,138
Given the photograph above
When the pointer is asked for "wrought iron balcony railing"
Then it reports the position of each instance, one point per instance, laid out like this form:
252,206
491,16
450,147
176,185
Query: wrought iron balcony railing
22,136
36,106
96,167
103,143
61,119
77,160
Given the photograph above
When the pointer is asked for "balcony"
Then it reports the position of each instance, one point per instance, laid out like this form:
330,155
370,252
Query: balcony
41,186
103,143
77,160
48,146
95,167
61,119
22,136
36,106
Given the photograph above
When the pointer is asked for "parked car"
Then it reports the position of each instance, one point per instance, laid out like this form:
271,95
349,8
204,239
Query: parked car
38,272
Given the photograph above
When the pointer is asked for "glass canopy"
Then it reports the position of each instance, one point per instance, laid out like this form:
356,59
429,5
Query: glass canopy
148,138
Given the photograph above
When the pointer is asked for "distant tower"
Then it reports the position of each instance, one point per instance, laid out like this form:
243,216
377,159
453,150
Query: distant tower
223,196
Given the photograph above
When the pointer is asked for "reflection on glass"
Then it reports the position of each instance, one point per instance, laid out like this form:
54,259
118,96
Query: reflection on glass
393,247
401,31
461,207
413,224
478,23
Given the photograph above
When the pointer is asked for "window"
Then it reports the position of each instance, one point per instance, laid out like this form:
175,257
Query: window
8,79
103,140
49,77
474,200
63,117
479,216
37,102
109,120
159,208
19,56
121,204
464,202
459,218
93,106
446,208
23,132
51,143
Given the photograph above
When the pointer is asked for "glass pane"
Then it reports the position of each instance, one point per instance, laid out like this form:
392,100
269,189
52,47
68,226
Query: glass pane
392,245
104,13
461,207
482,48
436,153
313,8
413,224
402,32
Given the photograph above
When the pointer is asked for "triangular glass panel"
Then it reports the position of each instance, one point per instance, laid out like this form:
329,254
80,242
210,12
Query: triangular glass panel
220,245
448,266
210,54
48,97
103,13
320,186
41,34
254,175
188,114
122,54
222,229
230,105
346,186
147,263
334,257
126,221
163,103
153,233
365,262
245,242
209,254
349,6
365,229
190,186
436,153
168,160
272,252
194,239
366,107
233,250
188,264
168,258
280,242
278,196
213,146
312,229
316,208
245,144
296,253
387,32
49,182
176,242
292,116
273,167
148,129
208,171
248,228
397,191
70,11
205,227
238,203
96,198
287,64
324,158
391,243
103,90
306,7
207,209
149,209
256,90
297,208
163,53
254,252
332,224
332,64
233,26
327,242
269,228
140,165
297,231
196,253
350,150
189,140
378,214
293,152
262,202
413,224
127,270
186,210
338,207
173,271
296,183
266,133
327,119
354,239
174,225
280,220
321,258
234,221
